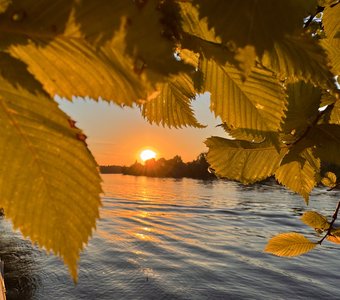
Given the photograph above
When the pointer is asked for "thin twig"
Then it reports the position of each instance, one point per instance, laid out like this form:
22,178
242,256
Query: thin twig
335,215
319,9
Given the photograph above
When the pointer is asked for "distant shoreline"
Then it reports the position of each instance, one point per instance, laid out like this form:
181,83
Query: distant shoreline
163,168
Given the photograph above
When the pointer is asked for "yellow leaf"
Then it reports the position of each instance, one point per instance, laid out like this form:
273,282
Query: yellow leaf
334,236
243,161
315,220
329,180
74,51
246,59
261,97
296,58
49,180
289,244
172,107
299,173
189,57
257,23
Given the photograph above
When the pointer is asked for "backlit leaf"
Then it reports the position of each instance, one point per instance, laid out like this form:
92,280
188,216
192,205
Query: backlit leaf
256,23
49,183
289,244
315,220
189,57
326,138
260,98
120,58
74,68
332,47
303,105
330,20
243,161
172,106
299,58
334,236
329,179
300,173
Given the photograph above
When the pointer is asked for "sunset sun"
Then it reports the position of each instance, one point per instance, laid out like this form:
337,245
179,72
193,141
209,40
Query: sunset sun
147,154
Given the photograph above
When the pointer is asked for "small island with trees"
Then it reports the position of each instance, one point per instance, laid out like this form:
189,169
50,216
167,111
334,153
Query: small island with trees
174,167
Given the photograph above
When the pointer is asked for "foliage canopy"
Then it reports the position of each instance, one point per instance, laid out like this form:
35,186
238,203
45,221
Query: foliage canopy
269,67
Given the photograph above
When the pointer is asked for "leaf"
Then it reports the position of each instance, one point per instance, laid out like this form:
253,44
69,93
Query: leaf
303,105
330,20
49,180
121,58
315,220
332,47
334,236
299,58
189,57
246,59
326,138
192,24
61,58
243,161
289,244
172,106
104,73
243,134
260,98
255,23
299,173
329,180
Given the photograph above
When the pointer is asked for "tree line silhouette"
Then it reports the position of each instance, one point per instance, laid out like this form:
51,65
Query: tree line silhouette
174,167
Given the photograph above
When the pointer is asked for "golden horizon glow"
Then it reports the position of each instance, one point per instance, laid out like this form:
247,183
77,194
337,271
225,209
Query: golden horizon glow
147,154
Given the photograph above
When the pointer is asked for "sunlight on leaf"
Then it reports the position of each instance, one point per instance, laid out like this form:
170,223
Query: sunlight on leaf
329,180
334,236
243,161
49,181
315,220
289,244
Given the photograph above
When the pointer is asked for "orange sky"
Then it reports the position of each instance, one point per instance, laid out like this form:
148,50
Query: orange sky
117,136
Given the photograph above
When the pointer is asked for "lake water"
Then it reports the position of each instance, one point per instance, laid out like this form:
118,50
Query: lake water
183,239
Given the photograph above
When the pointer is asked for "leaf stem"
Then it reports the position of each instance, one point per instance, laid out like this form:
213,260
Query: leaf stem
311,17
335,215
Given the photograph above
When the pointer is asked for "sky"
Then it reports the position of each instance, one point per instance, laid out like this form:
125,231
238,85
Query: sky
116,135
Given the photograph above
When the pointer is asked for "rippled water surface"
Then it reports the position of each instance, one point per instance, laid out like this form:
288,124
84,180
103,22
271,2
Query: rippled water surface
182,239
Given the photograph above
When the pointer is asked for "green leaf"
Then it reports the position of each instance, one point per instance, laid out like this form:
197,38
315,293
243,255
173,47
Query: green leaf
49,180
260,98
172,106
243,161
289,244
315,220
299,173
329,180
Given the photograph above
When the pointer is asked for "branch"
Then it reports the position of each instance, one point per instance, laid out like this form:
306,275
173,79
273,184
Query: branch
335,215
319,9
